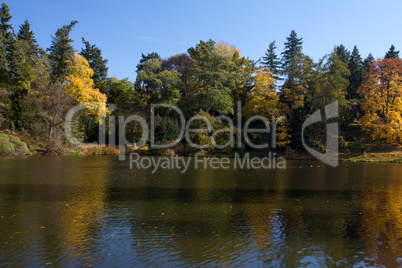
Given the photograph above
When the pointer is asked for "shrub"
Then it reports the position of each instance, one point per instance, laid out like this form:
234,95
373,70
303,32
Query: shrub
11,145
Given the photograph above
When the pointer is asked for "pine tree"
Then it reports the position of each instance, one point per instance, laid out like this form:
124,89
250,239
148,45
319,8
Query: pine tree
28,42
343,53
356,74
392,53
271,60
94,56
61,52
5,17
5,34
146,58
367,62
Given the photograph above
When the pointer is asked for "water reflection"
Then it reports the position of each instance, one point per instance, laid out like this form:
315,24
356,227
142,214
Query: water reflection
80,211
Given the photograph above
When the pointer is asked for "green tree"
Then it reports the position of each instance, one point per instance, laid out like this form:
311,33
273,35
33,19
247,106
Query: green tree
343,53
392,53
94,56
293,51
356,74
28,42
217,77
367,62
160,85
145,58
61,52
5,32
121,93
271,61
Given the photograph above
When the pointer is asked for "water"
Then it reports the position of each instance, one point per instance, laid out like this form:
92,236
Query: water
95,211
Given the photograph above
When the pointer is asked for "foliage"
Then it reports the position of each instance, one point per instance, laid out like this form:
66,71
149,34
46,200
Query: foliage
383,106
11,145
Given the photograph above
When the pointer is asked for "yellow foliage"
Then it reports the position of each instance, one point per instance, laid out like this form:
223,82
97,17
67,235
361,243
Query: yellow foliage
80,86
264,100
225,49
383,107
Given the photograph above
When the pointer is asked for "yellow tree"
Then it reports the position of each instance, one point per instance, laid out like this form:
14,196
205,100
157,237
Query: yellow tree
383,107
80,86
226,49
264,101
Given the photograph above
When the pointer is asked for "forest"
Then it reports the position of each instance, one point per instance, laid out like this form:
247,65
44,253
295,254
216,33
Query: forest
39,86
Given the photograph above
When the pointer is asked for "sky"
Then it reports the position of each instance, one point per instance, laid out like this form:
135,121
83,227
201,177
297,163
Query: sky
125,29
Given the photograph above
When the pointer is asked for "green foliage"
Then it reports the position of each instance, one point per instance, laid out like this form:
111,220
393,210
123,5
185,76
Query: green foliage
166,128
271,61
392,53
356,74
61,52
94,56
11,145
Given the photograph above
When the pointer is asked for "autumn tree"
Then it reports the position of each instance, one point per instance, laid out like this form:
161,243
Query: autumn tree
80,86
383,94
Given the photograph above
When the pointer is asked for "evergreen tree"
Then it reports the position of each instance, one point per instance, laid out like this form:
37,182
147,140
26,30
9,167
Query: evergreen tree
28,42
367,62
94,56
5,17
271,60
392,53
146,58
5,34
293,48
61,52
343,53
356,74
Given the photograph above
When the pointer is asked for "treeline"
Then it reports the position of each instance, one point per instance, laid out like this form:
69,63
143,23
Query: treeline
39,86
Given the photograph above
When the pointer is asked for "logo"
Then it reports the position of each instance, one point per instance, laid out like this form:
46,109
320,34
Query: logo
330,156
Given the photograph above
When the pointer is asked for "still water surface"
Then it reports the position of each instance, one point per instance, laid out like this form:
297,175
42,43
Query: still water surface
95,211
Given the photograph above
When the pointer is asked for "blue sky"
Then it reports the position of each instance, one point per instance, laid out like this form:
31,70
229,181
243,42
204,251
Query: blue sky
125,29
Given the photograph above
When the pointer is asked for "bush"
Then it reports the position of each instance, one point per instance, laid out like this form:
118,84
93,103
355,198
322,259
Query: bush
11,145
167,129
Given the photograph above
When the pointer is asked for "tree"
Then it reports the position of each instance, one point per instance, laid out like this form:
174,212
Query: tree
160,85
80,86
392,53
271,61
217,77
28,42
356,74
293,48
263,100
121,93
383,107
367,62
343,53
61,52
333,83
94,56
146,58
188,86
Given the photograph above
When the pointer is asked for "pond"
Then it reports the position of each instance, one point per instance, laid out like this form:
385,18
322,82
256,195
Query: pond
96,211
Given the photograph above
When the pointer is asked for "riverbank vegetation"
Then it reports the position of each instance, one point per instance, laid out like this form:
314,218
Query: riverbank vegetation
38,86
